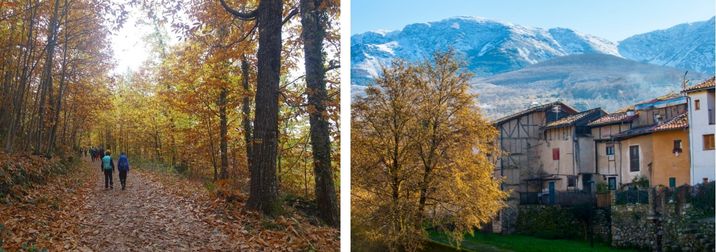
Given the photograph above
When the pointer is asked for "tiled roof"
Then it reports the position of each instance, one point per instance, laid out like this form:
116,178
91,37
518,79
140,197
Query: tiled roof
707,84
570,120
678,122
634,132
614,118
533,109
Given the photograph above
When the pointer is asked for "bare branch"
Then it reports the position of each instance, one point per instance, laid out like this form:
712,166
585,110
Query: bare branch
238,14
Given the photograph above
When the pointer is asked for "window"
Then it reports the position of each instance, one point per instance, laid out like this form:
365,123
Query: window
672,182
610,150
677,146
697,104
634,158
555,153
612,181
571,181
709,142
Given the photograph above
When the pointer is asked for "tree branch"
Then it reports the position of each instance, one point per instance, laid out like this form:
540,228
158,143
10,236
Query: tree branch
238,14
289,16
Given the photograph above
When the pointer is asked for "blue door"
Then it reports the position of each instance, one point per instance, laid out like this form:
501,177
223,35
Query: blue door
551,192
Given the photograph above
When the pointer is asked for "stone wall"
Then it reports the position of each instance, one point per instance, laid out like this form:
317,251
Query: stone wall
630,226
669,222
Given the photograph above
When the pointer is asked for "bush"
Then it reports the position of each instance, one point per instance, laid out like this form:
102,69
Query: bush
703,198
602,188
549,222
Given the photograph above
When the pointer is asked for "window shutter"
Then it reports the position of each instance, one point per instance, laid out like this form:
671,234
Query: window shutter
555,154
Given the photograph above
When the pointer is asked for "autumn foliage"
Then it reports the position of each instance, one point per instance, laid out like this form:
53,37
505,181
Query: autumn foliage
419,156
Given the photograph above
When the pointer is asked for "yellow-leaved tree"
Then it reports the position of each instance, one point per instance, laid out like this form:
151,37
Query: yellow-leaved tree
420,156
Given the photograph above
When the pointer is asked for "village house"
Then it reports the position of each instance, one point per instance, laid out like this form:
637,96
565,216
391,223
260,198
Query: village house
519,136
670,143
701,130
627,146
606,157
567,153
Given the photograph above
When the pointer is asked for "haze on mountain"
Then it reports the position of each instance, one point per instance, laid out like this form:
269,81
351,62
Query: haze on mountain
517,66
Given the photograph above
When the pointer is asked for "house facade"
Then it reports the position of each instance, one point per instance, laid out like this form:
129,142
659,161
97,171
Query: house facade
701,130
627,146
670,143
567,153
519,140
607,156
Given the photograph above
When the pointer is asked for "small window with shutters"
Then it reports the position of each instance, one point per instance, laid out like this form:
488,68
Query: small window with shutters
555,153
672,182
634,158
709,142
697,104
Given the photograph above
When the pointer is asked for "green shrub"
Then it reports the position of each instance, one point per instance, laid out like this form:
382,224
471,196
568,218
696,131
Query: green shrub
549,222
602,187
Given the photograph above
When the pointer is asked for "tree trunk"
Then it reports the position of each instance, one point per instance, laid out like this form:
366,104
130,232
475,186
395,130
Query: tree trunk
264,193
58,105
223,132
313,19
246,108
46,80
18,99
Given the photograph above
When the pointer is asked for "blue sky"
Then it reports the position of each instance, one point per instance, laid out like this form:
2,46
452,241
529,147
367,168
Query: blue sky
611,19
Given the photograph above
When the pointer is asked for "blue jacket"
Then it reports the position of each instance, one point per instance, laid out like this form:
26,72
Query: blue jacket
123,163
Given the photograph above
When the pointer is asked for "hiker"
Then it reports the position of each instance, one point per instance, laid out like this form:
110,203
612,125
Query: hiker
123,168
108,168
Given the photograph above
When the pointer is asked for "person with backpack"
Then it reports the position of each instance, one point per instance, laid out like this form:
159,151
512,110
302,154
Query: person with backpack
123,168
107,168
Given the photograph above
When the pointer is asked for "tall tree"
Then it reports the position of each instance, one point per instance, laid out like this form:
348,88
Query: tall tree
264,188
313,21
46,79
421,133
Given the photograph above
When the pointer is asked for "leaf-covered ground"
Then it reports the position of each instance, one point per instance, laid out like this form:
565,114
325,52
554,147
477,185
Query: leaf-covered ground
158,211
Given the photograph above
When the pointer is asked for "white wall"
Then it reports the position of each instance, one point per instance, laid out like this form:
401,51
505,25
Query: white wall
703,162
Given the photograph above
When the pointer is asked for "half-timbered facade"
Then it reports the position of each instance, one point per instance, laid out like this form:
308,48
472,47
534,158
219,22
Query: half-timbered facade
518,140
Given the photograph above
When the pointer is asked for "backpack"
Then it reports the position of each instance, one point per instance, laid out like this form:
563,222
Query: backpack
107,163
123,163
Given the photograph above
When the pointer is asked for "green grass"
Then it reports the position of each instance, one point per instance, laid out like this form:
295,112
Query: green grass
517,243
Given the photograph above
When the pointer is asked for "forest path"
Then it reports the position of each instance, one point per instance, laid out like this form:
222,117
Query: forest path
145,216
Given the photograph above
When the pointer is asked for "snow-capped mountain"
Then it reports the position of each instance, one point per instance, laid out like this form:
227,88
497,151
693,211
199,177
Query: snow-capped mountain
584,81
688,46
489,47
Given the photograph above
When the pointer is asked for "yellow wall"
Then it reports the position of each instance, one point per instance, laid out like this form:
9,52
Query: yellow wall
666,163
645,158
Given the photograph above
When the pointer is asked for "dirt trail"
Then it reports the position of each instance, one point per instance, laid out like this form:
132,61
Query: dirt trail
145,216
